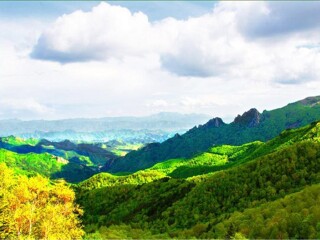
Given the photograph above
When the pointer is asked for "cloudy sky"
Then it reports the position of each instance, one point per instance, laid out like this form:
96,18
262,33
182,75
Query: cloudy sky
98,59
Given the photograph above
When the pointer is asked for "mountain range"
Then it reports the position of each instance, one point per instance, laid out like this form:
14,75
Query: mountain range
250,126
157,127
236,188
267,190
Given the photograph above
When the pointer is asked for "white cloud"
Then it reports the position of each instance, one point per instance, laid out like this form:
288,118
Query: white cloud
214,44
23,107
105,32
26,104
157,103
206,101
120,63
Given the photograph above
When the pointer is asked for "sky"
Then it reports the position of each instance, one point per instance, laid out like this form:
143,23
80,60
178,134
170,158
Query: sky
100,59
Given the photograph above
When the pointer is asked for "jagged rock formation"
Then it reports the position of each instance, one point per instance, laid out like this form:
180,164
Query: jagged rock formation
250,118
214,122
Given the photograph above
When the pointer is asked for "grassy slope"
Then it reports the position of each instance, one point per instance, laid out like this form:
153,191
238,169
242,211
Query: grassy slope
45,164
215,159
109,180
32,163
81,161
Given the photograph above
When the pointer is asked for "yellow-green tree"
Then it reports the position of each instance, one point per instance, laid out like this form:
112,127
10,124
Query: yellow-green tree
6,185
34,208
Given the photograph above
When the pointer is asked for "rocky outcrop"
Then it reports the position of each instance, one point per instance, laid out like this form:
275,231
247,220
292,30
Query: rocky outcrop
250,118
214,122
310,101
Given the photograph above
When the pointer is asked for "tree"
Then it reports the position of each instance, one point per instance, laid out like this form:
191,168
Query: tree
35,208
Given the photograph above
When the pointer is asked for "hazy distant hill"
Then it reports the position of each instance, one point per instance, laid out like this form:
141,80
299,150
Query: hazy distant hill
152,128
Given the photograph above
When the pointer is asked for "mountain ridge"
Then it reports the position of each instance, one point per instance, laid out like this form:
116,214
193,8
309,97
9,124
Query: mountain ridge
248,127
153,128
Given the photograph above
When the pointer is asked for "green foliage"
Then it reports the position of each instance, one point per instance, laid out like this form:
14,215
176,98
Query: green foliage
295,216
108,180
216,159
46,165
120,232
264,179
226,156
124,148
177,167
68,160
135,205
31,163
20,141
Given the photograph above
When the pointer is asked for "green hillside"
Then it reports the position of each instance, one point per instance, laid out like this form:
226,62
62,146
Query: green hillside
16,141
32,163
251,178
251,126
294,216
46,165
109,180
226,156
74,162
215,159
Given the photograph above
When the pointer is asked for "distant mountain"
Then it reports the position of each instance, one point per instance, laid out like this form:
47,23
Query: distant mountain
161,121
158,127
126,135
248,127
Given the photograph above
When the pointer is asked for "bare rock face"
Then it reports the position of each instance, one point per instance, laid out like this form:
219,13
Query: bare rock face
62,160
310,101
214,122
250,118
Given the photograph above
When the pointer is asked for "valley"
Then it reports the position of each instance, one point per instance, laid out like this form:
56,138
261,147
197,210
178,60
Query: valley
159,120
216,180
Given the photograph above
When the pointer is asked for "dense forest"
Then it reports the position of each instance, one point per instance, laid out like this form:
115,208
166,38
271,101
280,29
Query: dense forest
243,181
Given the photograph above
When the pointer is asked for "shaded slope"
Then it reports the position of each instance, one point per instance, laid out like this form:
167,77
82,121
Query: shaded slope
296,216
226,156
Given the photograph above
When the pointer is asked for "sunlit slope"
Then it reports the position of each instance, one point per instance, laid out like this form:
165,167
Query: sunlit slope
45,164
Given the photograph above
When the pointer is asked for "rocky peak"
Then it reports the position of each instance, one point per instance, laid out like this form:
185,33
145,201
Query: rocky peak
310,101
250,118
214,122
